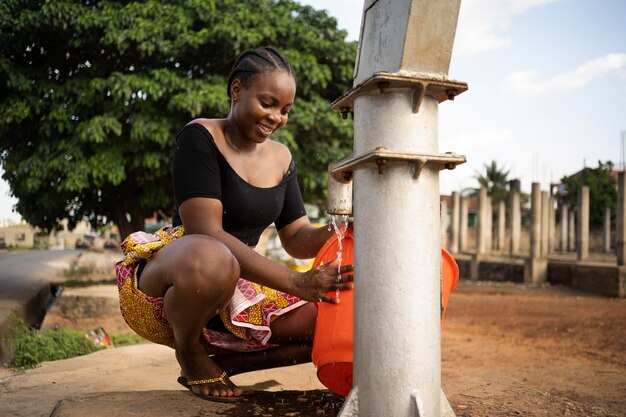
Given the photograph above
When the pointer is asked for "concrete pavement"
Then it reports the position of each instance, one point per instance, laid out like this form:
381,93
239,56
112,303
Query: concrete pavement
140,380
137,380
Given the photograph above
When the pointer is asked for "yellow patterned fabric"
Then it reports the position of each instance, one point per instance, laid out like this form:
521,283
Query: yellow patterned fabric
141,245
256,315
144,314
248,314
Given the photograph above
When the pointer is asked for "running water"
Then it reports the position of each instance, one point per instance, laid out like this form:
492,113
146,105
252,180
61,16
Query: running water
339,223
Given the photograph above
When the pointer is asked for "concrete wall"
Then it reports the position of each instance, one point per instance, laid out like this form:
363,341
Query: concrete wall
25,236
606,280
21,236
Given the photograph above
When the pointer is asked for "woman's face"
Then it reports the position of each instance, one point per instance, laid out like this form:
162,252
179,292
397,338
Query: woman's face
262,107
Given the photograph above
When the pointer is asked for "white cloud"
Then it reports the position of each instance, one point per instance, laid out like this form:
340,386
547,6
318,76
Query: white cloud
479,147
483,23
347,12
528,82
486,137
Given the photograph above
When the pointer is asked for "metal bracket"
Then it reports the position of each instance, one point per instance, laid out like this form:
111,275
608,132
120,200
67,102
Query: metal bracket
421,84
381,158
416,399
351,405
418,96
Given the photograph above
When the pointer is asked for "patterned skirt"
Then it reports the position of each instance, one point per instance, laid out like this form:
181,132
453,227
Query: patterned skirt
247,316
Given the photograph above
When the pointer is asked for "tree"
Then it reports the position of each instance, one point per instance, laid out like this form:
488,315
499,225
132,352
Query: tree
93,93
602,190
495,180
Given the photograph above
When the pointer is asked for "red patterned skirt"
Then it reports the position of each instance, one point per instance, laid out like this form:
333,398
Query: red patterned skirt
247,316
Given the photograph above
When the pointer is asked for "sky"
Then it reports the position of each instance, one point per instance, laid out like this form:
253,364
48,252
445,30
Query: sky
547,88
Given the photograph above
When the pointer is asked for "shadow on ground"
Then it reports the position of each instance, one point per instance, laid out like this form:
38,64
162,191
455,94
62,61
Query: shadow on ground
316,403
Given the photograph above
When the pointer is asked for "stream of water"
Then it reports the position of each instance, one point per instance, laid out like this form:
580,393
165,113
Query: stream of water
339,223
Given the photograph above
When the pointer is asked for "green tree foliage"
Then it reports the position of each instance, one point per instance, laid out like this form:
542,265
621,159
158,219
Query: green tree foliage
93,93
495,179
602,190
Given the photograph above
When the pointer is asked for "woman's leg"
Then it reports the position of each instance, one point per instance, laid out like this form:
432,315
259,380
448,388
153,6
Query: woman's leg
196,276
241,362
293,331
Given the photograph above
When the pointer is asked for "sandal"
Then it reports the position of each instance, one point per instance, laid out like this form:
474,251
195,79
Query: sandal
188,384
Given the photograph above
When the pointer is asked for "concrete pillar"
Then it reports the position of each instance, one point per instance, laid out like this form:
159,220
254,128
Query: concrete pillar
582,235
545,221
444,224
551,224
535,267
500,241
455,221
564,227
620,220
535,221
483,238
464,219
606,230
397,350
489,226
474,263
571,234
515,222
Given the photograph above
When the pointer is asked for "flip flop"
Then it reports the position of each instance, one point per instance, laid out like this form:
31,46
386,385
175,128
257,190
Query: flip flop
187,384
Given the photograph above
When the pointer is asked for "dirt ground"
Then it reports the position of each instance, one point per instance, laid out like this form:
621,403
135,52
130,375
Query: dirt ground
510,350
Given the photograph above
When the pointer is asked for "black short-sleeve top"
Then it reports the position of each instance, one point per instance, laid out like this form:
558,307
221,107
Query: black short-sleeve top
200,170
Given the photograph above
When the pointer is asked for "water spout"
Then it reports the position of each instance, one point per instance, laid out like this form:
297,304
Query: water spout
339,193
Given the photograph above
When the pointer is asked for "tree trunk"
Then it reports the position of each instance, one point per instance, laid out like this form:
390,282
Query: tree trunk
126,209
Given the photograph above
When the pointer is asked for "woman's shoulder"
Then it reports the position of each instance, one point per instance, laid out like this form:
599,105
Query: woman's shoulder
281,153
200,134
212,126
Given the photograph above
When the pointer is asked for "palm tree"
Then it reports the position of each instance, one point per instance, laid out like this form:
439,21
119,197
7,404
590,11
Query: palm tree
495,179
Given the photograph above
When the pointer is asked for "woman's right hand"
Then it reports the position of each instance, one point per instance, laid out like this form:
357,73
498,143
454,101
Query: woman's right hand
314,284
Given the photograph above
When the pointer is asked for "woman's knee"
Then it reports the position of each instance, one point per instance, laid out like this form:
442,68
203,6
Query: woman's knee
208,261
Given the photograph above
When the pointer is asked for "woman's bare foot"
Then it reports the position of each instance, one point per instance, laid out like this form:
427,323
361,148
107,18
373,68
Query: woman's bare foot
196,365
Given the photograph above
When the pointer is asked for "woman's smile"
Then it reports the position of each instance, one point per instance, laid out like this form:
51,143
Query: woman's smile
265,128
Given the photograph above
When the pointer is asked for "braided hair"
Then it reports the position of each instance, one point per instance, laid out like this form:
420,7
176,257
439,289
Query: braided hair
257,61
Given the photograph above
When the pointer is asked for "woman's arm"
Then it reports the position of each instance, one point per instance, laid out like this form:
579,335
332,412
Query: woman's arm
204,216
303,240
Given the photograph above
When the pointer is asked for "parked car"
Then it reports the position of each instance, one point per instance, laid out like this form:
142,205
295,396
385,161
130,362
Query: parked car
111,244
82,243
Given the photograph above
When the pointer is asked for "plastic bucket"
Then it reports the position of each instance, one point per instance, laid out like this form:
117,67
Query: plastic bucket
332,345
449,279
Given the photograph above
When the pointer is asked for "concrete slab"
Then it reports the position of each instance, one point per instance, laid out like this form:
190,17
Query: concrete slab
140,380
84,302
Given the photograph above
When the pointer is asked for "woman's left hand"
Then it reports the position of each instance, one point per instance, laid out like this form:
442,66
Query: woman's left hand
313,285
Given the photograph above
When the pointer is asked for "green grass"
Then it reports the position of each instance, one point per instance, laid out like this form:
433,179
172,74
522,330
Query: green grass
30,347
79,271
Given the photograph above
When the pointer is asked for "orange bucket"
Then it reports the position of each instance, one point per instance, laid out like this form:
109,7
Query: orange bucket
332,345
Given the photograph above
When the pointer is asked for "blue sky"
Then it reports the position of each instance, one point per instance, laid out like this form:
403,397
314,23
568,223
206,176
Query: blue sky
547,87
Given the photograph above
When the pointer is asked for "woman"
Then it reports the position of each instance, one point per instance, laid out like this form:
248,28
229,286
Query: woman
199,287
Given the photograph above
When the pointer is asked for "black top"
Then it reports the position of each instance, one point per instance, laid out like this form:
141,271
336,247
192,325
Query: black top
200,170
